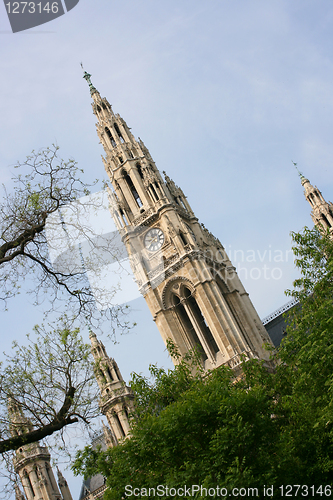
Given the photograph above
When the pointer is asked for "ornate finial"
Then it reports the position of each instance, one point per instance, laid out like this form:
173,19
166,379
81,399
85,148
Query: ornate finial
299,173
304,180
166,177
87,76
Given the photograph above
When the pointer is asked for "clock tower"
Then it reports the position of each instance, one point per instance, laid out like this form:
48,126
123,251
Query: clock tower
192,289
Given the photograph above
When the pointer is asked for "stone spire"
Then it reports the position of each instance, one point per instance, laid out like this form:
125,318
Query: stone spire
116,401
322,211
66,494
191,287
138,187
19,423
109,437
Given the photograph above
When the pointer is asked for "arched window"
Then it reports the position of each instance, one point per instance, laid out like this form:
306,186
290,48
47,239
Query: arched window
126,412
326,220
124,217
104,107
110,136
193,322
115,367
188,326
133,190
120,427
182,203
155,195
98,109
28,480
118,132
109,373
182,237
200,320
318,195
138,166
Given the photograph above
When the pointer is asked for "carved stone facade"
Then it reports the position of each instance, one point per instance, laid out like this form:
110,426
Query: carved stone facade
32,464
322,211
192,289
116,401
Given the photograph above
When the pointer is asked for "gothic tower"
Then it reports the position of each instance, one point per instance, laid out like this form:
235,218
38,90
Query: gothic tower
192,289
116,401
32,464
322,211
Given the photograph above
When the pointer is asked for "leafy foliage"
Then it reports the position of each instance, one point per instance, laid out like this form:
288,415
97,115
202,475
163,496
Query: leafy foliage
263,429
49,383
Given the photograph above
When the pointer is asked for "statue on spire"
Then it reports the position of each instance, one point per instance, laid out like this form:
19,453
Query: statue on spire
87,77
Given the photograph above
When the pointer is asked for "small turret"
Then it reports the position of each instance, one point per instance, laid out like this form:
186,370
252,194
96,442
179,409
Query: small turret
19,423
116,401
322,211
66,494
32,462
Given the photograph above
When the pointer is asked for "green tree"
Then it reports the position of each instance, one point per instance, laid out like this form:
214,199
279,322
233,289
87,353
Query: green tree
265,428
48,382
49,378
304,380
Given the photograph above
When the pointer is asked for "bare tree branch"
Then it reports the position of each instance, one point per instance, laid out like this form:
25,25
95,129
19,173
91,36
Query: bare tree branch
46,386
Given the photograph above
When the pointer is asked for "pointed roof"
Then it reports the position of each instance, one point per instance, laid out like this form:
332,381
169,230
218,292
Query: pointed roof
19,422
93,338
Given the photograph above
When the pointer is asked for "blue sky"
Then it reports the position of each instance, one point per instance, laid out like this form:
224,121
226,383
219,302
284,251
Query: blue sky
223,93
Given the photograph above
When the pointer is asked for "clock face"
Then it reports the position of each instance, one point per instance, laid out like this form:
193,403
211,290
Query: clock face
154,239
